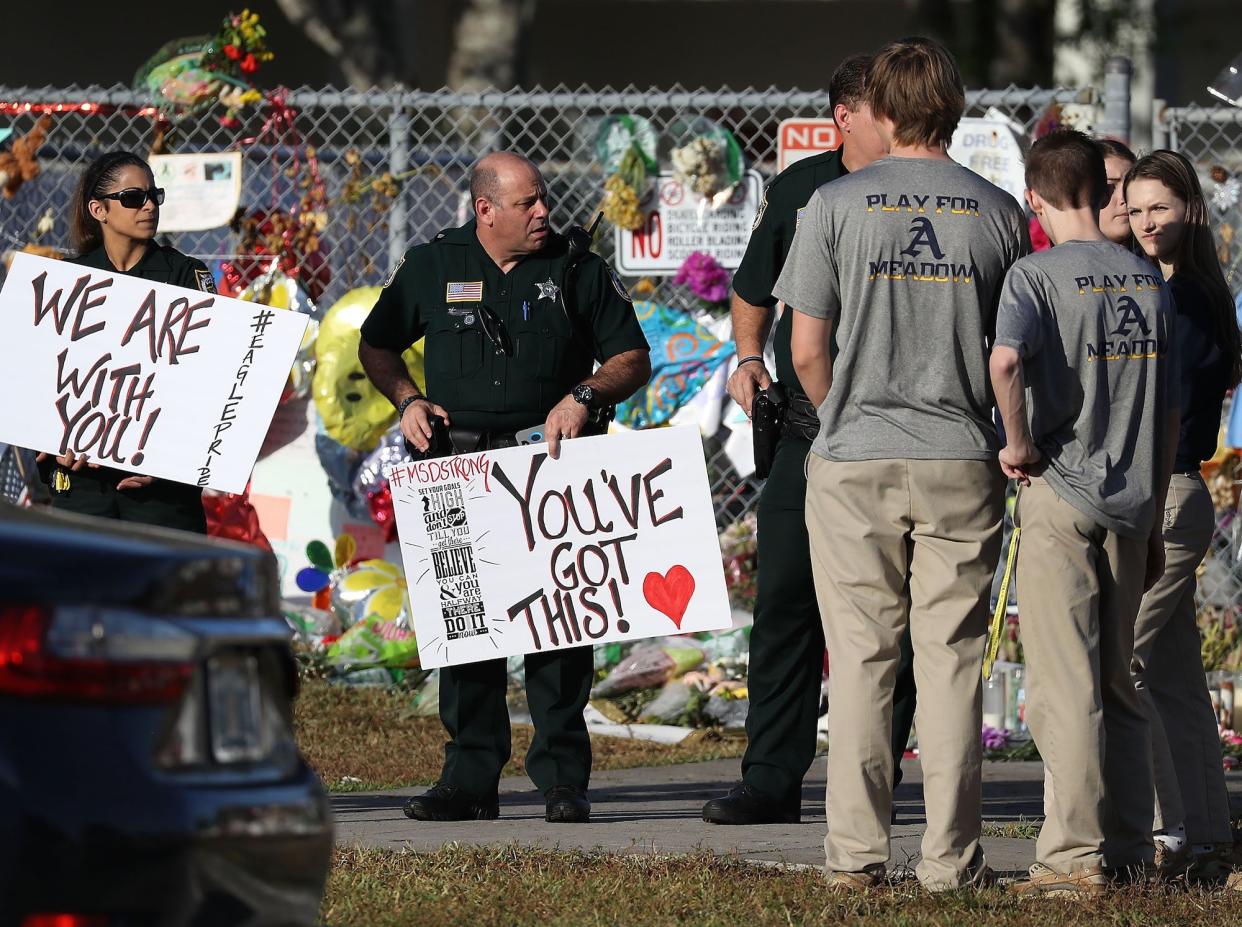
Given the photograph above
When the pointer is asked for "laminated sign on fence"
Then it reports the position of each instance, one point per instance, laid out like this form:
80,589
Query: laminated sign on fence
679,223
144,377
509,552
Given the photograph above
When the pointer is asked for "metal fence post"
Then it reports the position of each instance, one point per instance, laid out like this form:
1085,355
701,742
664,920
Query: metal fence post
398,163
1116,120
1159,128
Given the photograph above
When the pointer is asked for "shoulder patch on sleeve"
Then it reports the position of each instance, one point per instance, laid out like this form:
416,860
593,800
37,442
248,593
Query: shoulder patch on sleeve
393,273
206,282
619,286
763,205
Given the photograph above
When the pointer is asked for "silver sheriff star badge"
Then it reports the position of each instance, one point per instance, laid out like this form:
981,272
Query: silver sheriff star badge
548,290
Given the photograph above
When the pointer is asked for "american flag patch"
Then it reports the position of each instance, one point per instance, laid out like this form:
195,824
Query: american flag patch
464,292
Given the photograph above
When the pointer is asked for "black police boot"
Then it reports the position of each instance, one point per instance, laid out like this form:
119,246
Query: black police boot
448,803
745,806
567,805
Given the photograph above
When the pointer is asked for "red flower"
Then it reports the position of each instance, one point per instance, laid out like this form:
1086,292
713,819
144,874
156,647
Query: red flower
232,52
230,122
249,65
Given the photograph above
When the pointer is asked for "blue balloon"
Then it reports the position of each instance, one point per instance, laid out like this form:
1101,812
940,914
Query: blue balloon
310,579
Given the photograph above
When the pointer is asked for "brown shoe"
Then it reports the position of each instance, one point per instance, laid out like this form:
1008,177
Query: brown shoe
867,879
1171,863
1048,883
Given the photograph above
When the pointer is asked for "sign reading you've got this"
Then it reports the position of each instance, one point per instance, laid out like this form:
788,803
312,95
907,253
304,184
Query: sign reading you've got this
144,377
509,552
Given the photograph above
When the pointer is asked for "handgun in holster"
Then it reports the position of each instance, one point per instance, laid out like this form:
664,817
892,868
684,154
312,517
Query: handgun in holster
767,418
441,445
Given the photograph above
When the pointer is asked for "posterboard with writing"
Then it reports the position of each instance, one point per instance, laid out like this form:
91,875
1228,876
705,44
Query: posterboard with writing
509,552
144,377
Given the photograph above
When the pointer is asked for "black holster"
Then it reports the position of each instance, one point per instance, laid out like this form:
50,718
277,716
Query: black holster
767,418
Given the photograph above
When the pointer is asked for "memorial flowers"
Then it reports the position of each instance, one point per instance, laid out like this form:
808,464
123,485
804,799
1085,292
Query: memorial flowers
700,165
705,278
626,146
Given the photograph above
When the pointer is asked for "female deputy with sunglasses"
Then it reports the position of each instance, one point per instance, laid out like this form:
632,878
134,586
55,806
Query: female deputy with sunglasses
115,217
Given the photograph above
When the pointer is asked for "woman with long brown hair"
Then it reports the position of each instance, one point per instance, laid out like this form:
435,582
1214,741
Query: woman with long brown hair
116,214
1169,219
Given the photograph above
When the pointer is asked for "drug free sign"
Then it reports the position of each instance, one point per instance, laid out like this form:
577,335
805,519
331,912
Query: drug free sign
509,552
144,377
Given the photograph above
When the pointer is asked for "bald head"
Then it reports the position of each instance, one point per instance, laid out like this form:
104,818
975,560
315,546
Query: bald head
510,205
490,177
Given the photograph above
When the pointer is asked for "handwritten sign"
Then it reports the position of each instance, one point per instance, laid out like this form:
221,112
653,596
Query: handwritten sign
144,377
510,552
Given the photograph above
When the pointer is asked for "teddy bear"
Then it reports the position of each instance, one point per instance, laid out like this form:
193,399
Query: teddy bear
19,164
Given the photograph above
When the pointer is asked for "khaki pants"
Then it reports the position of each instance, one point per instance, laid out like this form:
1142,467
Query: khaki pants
1168,673
897,541
1079,587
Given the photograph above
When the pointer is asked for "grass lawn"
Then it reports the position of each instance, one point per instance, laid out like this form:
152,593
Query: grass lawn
514,886
362,738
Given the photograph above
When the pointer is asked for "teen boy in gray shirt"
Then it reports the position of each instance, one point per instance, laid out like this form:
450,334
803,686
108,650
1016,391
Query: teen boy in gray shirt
1081,371
905,259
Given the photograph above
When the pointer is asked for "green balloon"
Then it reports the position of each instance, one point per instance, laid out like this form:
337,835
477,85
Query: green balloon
318,554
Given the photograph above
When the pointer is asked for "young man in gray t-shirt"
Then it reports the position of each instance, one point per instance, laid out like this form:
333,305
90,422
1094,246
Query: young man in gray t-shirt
904,261
1082,376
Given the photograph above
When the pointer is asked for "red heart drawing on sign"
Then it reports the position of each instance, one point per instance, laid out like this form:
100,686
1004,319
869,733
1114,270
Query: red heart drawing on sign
669,593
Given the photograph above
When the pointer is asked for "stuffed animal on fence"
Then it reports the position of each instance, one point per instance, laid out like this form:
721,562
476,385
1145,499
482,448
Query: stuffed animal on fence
20,163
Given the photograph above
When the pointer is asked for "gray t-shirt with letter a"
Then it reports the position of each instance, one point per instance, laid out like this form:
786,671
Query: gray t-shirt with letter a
906,258
1093,324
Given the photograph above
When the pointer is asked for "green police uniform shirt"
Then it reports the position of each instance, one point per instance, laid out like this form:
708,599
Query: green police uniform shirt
783,204
452,293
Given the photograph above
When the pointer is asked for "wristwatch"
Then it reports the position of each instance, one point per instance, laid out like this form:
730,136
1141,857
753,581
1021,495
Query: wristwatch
584,394
405,404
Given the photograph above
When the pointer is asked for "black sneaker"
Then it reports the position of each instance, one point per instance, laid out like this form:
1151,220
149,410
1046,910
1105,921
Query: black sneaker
743,805
449,803
566,804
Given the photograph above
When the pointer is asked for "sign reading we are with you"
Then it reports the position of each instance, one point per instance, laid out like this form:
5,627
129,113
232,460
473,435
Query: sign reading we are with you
144,377
509,552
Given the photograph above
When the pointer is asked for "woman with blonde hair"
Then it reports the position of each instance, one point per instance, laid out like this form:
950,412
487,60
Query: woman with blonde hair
1170,223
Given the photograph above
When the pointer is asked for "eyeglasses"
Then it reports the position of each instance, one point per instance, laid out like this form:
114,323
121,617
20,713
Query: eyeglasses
134,198
494,330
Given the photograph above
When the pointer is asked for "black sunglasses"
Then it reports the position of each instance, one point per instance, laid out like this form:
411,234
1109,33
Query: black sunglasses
134,198
494,330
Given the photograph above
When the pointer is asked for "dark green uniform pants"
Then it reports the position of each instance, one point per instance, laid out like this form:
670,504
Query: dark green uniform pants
787,641
163,503
474,712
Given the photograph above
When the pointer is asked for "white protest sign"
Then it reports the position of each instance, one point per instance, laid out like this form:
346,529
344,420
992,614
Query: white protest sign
509,552
678,224
144,377
990,148
803,138
201,190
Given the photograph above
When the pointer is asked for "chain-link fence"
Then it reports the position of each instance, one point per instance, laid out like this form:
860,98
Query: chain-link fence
1211,137
426,141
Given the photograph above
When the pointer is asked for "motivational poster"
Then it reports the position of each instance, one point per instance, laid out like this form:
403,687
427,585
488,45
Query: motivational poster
511,552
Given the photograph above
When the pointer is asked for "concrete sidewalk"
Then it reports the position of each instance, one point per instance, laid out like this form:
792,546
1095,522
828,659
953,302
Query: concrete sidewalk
658,809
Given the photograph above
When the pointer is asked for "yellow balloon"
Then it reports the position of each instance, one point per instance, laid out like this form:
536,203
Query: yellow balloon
354,412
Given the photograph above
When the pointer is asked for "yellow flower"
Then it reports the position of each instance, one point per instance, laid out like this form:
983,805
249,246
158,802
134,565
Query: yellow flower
388,582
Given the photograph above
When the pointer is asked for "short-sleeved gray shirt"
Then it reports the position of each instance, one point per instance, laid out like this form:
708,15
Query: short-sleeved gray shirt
906,257
1093,324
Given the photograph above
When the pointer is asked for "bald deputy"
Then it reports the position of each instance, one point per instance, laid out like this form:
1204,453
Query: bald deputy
514,322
